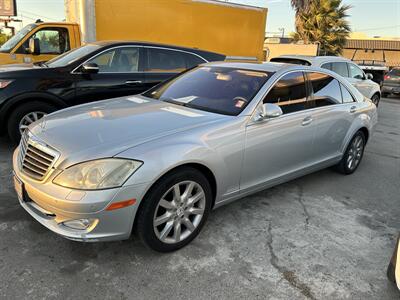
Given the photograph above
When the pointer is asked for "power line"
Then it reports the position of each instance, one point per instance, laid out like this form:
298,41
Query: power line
40,16
378,28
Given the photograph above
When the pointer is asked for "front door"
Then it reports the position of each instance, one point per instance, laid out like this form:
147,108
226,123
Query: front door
120,74
278,147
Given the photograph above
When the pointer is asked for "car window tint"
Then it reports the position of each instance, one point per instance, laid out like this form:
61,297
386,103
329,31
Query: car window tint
289,93
51,41
346,96
161,60
394,72
192,60
355,72
340,68
327,66
120,60
326,89
217,89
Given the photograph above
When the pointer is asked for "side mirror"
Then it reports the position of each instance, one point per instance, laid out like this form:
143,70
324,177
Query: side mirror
268,111
90,68
369,76
34,46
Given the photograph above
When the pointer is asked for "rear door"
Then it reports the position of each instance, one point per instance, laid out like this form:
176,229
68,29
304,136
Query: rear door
164,63
120,74
333,116
277,147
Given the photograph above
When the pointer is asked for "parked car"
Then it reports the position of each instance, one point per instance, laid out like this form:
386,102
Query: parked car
160,161
92,72
391,84
342,66
393,271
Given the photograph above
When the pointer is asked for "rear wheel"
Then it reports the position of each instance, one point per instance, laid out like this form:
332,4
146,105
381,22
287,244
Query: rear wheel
353,155
24,115
174,211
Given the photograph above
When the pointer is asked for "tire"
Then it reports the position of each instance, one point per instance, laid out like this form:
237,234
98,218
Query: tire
16,116
172,231
345,166
391,270
375,99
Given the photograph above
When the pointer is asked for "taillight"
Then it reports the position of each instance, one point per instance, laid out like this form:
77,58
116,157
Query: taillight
387,77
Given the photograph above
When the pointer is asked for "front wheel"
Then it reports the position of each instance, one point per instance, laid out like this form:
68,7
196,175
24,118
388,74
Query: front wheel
24,115
174,210
375,99
353,154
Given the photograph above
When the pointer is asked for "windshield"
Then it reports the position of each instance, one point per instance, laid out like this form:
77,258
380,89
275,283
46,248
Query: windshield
221,90
11,43
71,56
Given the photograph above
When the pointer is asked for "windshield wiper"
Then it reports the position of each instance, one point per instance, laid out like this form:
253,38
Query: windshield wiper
173,101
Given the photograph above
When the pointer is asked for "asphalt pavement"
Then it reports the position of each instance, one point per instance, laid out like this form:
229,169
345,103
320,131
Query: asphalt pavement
323,236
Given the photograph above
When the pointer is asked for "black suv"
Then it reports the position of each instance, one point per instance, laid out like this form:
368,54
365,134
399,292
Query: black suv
92,72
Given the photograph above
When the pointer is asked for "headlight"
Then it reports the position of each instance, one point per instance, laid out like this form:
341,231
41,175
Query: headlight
98,174
4,83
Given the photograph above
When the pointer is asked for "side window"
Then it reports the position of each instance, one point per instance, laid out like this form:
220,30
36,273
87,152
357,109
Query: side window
289,93
192,60
119,60
340,68
355,72
165,61
326,89
52,40
347,97
327,66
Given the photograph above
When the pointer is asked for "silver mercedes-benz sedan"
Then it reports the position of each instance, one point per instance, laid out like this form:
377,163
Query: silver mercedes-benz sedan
157,163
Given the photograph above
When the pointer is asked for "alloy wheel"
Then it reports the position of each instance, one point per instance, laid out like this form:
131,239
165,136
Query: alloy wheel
375,99
355,152
179,212
29,118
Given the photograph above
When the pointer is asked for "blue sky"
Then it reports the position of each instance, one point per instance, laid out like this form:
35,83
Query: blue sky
374,17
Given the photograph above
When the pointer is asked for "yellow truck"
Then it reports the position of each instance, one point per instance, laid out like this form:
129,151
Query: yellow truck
234,30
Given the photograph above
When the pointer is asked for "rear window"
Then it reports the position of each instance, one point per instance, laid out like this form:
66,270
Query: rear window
394,72
293,61
216,89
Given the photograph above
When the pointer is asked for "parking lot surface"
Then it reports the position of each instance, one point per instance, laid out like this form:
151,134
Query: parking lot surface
323,236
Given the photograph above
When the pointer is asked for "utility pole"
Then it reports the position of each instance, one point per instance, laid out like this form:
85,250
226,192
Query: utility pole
7,21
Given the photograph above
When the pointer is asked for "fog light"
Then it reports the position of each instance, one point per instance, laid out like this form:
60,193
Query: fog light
80,224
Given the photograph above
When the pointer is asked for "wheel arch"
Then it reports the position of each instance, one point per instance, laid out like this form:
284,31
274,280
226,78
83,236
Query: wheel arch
12,103
197,166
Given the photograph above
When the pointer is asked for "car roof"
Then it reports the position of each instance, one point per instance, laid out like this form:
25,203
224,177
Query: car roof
315,60
114,43
261,66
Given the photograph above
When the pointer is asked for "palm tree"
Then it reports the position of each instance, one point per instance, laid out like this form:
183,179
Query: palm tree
324,21
300,5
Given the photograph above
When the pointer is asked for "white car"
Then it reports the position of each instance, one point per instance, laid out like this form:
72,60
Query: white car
342,66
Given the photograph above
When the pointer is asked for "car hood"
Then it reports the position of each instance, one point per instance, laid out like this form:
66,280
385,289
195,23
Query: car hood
106,128
18,67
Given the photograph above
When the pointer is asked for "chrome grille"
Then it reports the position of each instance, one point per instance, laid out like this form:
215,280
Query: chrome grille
35,158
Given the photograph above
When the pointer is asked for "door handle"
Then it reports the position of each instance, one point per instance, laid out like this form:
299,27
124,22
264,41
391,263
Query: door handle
353,109
306,121
133,82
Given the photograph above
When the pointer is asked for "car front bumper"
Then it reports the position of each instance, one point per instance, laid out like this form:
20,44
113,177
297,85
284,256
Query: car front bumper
53,206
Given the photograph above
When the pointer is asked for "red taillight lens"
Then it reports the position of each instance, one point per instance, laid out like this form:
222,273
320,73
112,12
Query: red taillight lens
387,77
